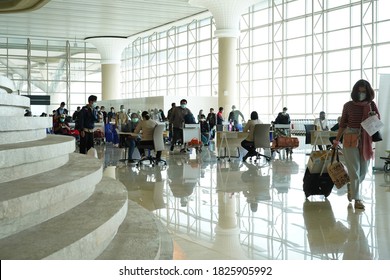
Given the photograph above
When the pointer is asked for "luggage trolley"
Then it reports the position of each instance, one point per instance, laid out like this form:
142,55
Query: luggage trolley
282,139
192,137
386,167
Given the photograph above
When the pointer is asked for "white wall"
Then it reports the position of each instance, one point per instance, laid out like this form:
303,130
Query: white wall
194,103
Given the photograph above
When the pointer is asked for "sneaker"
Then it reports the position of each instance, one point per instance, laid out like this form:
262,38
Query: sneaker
359,204
172,148
131,161
244,158
349,193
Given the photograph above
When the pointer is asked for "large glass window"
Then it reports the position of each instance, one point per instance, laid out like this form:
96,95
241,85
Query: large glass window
67,71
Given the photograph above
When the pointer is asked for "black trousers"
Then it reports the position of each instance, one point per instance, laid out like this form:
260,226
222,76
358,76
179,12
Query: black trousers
177,136
249,146
86,142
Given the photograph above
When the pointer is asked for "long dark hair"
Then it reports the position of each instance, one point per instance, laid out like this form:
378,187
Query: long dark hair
370,94
254,115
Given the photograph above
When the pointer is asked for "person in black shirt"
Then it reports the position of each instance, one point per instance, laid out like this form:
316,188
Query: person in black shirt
62,110
282,118
212,120
87,118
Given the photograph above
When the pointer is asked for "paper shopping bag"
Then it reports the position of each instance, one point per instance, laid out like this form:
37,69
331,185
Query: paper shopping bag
337,171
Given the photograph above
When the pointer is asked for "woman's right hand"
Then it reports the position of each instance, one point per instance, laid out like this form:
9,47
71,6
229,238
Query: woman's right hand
335,143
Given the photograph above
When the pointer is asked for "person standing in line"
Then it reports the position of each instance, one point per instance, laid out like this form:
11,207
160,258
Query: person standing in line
220,118
212,120
178,120
121,120
199,116
169,115
103,110
249,142
357,144
62,110
87,118
234,119
111,115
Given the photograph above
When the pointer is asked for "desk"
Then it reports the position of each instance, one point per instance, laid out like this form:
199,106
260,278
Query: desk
227,140
321,137
127,134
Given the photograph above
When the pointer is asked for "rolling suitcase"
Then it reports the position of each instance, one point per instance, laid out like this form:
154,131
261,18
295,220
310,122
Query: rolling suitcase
317,184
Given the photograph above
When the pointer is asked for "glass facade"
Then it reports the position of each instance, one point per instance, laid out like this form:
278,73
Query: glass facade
67,71
304,54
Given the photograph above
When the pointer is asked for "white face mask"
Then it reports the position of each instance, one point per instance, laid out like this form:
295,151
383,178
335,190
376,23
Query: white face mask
123,110
362,96
94,104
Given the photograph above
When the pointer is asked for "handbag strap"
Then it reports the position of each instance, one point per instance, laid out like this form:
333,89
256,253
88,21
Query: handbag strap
335,152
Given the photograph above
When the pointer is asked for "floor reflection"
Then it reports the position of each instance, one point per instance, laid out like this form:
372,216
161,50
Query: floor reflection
221,209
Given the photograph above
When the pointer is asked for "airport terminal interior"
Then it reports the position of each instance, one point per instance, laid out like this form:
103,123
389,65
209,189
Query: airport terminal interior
207,202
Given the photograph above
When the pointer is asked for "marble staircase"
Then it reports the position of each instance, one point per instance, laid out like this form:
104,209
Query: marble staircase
56,204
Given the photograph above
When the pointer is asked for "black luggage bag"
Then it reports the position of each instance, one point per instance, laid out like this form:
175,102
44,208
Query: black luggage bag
317,184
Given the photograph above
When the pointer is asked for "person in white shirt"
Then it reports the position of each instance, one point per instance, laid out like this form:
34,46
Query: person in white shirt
321,124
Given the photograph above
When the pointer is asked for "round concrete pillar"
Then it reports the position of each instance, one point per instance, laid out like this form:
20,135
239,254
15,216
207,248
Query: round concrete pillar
226,14
110,49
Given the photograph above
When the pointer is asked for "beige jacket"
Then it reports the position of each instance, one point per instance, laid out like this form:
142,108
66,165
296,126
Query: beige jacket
250,128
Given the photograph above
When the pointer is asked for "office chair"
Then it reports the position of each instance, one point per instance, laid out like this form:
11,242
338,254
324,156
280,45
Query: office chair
262,140
158,145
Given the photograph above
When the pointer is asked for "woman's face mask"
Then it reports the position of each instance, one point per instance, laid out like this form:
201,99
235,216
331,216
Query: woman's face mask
62,120
362,96
134,120
183,106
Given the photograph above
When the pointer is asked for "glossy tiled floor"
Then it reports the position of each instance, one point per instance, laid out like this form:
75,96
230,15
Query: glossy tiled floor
220,209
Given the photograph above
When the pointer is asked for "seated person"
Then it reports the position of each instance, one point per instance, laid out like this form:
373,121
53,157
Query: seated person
282,118
321,124
204,130
249,143
61,126
146,127
130,141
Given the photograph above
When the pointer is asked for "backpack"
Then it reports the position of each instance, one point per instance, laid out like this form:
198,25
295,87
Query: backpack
189,119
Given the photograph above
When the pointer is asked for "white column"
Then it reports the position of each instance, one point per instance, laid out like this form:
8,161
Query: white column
227,15
110,49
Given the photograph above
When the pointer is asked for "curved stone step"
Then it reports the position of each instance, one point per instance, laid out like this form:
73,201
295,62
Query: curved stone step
34,157
140,237
21,129
81,233
29,201
13,105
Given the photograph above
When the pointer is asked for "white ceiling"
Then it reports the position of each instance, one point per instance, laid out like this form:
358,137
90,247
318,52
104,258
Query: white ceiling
76,20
